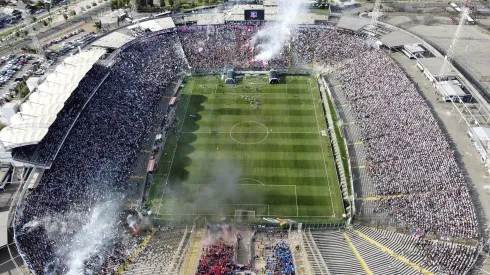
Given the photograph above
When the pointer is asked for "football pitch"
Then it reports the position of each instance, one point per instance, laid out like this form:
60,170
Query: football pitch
251,148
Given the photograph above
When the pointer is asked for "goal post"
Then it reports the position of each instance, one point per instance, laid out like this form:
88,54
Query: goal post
244,216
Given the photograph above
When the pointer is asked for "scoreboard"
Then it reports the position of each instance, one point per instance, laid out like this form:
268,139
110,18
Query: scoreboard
254,15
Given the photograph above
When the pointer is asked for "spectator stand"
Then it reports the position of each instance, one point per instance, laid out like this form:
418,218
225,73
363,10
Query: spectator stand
395,138
126,108
135,255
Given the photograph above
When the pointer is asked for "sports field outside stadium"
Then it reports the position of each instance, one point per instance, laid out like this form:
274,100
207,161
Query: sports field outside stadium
252,147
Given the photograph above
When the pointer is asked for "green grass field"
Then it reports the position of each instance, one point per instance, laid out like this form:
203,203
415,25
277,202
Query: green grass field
231,155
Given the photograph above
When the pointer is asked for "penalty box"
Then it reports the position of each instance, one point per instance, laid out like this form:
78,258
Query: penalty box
264,200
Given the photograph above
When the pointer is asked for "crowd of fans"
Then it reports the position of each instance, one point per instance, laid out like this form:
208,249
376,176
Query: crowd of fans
44,152
217,260
281,261
446,258
406,151
325,47
212,49
95,162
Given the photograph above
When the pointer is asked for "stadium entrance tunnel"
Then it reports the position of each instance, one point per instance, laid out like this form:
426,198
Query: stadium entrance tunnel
249,132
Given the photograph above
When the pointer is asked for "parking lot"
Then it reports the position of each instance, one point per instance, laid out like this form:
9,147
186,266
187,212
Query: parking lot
14,70
66,45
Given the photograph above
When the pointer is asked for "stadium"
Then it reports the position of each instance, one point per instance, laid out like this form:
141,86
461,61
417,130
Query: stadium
244,147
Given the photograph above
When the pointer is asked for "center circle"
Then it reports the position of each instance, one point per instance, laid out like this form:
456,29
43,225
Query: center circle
249,132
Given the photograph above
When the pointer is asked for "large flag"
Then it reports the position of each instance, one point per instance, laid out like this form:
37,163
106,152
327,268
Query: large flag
417,235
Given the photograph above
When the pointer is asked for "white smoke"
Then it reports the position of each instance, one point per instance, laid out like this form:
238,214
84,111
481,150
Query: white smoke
80,238
271,40
92,238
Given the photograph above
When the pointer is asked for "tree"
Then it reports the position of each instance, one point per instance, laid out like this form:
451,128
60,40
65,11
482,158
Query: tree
94,4
26,32
45,23
98,25
171,3
141,4
47,7
33,19
17,34
65,16
73,13
162,3
22,91
114,4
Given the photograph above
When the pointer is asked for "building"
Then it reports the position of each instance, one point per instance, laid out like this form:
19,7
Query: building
452,90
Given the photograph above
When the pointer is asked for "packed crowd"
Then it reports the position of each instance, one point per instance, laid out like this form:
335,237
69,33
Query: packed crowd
406,151
217,260
281,261
310,47
44,152
212,49
447,258
95,162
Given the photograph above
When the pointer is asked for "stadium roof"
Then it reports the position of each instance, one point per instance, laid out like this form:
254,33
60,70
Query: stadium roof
352,23
4,217
155,25
271,2
433,64
113,40
209,18
13,137
399,38
482,133
39,111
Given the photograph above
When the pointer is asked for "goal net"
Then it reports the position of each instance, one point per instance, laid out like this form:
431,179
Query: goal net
244,216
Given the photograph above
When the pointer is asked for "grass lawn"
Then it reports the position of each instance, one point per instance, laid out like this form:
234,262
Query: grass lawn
269,157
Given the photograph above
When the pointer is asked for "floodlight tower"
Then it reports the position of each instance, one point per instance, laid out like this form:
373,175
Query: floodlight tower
375,15
446,66
35,41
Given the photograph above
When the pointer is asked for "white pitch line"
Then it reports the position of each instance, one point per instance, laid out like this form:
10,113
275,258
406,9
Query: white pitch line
176,145
321,146
249,132
216,88
251,180
278,216
244,204
296,195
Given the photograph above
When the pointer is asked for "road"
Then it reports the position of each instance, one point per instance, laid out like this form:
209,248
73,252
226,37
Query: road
82,18
21,6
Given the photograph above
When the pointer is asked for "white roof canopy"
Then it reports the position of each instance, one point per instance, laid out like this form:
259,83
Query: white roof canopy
11,137
39,111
